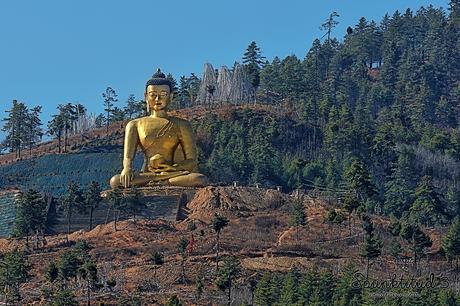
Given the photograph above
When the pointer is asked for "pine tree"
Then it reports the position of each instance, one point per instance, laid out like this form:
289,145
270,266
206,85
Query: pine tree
451,242
33,126
308,287
427,207
417,239
110,97
324,292
30,216
253,62
218,223
52,272
133,201
71,200
14,271
298,218
64,297
115,198
92,199
15,127
182,247
225,276
157,259
346,293
289,294
359,181
55,128
372,246
133,108
262,294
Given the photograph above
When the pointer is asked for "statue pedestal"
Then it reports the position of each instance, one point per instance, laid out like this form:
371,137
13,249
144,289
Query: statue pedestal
159,202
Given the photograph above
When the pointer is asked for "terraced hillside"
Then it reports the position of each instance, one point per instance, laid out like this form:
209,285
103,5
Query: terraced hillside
51,173
7,211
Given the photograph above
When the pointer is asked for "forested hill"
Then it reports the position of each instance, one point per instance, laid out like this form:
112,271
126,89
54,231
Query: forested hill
376,113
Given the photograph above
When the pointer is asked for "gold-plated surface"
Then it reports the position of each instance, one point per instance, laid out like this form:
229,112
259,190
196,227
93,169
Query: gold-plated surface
158,136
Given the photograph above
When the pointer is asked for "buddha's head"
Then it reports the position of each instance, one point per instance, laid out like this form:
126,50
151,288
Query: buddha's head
158,92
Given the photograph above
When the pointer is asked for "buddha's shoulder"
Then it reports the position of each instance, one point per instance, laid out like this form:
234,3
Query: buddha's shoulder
179,121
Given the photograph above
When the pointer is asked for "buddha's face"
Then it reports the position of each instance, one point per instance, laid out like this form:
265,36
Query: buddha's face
158,96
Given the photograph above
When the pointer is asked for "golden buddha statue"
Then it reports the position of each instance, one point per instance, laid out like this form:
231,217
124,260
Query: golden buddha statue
159,135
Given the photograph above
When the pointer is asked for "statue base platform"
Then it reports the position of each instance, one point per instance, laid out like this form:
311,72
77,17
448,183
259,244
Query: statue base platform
159,202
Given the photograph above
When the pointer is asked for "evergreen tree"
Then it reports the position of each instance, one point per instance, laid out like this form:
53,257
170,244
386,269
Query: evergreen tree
298,218
182,247
427,208
133,201
324,292
308,286
134,108
225,276
14,271
110,97
15,127
253,62
372,246
289,294
417,239
218,223
359,180
92,199
262,294
33,127
157,259
52,272
451,242
64,297
115,199
346,293
30,216
173,301
71,200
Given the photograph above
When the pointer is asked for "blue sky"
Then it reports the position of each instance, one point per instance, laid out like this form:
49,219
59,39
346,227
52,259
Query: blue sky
58,51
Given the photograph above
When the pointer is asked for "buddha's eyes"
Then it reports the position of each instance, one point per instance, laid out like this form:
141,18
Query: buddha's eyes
162,94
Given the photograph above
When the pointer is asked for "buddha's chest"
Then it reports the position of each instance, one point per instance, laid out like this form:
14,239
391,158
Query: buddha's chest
158,133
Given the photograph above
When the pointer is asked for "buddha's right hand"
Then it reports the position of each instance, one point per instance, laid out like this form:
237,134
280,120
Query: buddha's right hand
126,177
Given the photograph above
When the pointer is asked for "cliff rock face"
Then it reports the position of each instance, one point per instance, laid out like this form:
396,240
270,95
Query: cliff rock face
242,90
208,86
226,87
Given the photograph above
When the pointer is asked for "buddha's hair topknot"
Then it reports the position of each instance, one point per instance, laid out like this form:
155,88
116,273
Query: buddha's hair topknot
159,78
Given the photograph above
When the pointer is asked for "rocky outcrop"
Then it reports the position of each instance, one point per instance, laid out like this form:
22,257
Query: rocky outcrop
225,86
208,86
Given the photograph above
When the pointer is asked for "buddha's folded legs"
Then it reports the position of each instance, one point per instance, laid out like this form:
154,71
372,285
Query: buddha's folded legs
176,178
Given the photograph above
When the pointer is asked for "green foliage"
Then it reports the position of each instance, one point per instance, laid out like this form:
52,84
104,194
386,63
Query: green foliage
73,199
289,294
92,199
30,214
253,60
451,241
64,297
417,239
227,274
173,301
52,272
14,271
262,294
427,208
372,246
